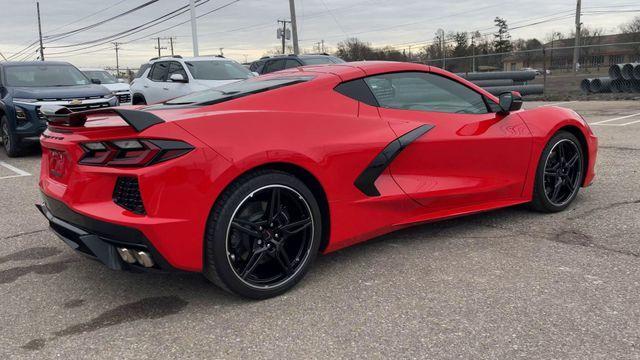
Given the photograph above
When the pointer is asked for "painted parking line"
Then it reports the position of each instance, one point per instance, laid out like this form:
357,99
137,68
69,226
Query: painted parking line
606,122
18,172
559,103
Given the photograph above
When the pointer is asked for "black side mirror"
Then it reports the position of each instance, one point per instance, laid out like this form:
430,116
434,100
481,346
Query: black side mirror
96,81
510,101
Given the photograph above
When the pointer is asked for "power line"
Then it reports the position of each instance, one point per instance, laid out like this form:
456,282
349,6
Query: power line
56,37
90,15
147,35
134,30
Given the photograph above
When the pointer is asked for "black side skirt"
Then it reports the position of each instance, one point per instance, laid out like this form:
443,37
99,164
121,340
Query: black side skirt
365,182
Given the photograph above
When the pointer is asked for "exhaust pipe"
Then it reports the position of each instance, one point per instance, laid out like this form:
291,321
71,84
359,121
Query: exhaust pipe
127,255
143,258
135,256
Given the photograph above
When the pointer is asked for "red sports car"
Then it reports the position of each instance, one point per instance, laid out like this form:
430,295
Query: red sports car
247,182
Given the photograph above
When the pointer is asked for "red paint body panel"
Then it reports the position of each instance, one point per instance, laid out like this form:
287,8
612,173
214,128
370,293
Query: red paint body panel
465,164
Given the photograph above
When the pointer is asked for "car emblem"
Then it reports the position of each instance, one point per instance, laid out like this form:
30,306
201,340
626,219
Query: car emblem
75,102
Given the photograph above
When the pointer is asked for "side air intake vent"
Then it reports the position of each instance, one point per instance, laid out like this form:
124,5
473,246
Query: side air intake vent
127,195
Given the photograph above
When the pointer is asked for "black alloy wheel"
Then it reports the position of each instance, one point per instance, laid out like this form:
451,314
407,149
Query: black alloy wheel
559,174
263,235
269,236
562,172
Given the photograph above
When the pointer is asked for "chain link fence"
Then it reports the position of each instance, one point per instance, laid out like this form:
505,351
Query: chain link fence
554,65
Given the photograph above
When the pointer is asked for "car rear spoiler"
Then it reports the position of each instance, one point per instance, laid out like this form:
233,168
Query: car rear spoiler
63,117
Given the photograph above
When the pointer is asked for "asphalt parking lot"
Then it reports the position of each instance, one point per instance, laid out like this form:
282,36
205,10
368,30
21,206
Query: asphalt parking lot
505,284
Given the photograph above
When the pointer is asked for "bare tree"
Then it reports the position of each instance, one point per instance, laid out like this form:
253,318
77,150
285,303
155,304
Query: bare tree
632,26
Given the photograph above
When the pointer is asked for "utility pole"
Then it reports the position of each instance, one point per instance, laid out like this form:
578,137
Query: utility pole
473,54
117,47
171,38
294,26
40,32
283,34
576,49
159,47
194,28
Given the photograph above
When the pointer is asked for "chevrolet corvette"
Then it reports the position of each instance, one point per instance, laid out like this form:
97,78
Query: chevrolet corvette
248,182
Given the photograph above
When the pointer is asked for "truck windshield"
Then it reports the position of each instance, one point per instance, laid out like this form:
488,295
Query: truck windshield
237,90
218,70
44,75
103,76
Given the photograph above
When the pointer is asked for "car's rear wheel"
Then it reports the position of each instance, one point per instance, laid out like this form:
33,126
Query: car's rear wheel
10,141
559,173
263,235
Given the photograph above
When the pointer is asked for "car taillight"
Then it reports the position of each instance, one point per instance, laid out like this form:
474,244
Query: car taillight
132,152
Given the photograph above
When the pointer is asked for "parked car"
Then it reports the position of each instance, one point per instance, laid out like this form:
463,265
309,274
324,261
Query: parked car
537,71
117,86
26,86
247,182
269,64
169,77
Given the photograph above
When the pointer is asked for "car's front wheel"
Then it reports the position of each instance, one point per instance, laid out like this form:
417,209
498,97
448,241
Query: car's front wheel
138,99
263,235
10,141
559,174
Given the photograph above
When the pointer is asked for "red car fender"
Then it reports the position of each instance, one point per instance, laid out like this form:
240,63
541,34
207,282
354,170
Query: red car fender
543,123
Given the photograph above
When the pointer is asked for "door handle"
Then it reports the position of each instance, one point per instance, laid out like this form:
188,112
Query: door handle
146,86
166,88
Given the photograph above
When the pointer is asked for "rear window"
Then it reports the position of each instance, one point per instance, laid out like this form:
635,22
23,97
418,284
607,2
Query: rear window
218,70
237,90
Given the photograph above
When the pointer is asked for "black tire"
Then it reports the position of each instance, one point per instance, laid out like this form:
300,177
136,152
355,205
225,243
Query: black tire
295,229
558,179
10,142
138,99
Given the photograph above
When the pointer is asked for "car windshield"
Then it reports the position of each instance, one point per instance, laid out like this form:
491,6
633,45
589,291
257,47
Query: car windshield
44,75
103,76
237,90
218,70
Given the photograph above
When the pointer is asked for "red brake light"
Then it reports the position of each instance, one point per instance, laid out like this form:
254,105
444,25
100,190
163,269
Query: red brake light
132,152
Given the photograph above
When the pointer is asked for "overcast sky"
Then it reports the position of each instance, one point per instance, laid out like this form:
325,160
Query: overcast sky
247,28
